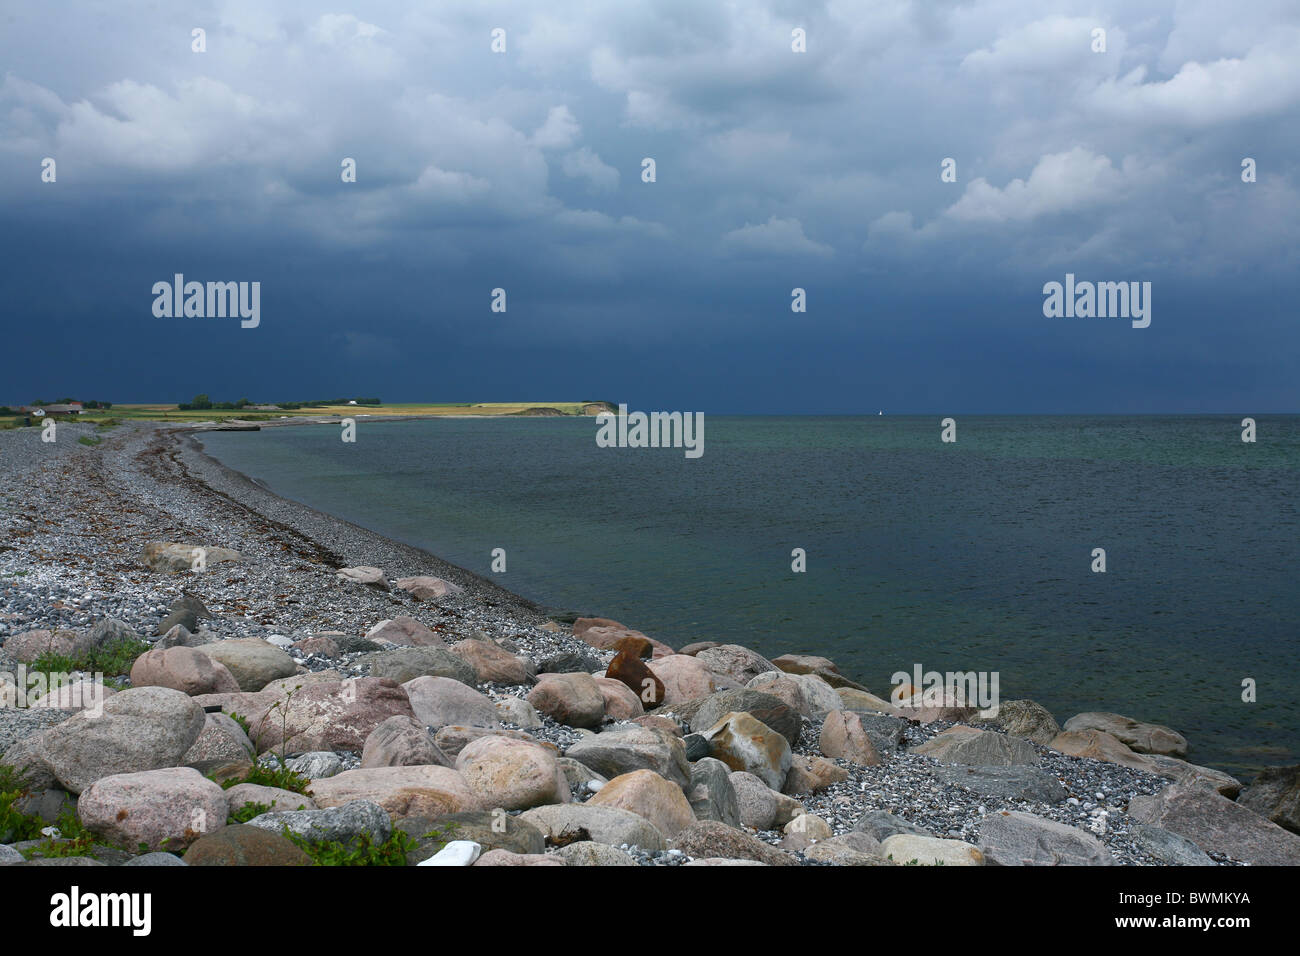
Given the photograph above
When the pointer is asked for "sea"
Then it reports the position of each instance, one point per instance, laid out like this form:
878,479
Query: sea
873,542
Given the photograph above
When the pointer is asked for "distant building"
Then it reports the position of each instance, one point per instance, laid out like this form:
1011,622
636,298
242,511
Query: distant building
74,408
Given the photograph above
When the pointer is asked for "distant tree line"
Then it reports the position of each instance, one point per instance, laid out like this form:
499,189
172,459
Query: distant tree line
68,401
202,403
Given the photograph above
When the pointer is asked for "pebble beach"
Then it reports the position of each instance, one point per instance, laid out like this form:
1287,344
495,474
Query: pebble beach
414,697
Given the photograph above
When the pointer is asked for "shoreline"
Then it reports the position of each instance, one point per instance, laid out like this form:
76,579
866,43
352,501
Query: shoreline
155,482
306,520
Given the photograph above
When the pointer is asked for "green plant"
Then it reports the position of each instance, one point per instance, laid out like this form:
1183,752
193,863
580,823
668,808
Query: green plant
247,812
73,839
360,852
89,440
14,824
280,776
113,658
242,721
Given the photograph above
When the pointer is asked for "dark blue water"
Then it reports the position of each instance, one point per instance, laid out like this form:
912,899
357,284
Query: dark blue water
968,556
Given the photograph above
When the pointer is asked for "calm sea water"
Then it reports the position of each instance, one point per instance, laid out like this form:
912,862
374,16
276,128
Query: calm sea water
968,556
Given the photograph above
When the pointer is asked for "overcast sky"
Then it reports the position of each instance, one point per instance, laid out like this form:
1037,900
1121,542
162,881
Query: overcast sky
775,169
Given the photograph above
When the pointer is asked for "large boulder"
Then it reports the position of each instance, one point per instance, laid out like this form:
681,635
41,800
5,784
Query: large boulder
773,711
853,699
743,742
909,849
242,845
684,678
109,631
564,823
843,737
185,669
513,774
144,728
26,647
494,665
1099,745
610,636
441,701
350,824
848,849
1217,825
242,794
452,739
185,612
639,678
590,853
1180,771
880,825
735,663
709,839
75,696
162,809
1275,794
755,800
1013,838
221,739
649,795
819,666
1168,847
517,711
364,574
620,702
171,556
789,690
1024,718
254,663
1140,737
932,704
405,631
427,588
1006,783
574,700
331,715
711,793
402,742
402,791
980,748
625,749
810,773
405,664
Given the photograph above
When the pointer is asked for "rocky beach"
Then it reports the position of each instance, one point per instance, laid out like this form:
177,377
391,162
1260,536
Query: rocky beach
281,687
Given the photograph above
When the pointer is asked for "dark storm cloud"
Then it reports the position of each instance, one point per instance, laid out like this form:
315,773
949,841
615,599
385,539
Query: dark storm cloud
776,170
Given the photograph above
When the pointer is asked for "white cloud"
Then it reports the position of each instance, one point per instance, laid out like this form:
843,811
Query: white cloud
780,237
585,164
1060,182
1263,81
560,131
336,29
1049,45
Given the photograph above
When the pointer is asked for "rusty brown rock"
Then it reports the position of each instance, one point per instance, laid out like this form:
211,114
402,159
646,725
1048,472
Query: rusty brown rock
638,676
